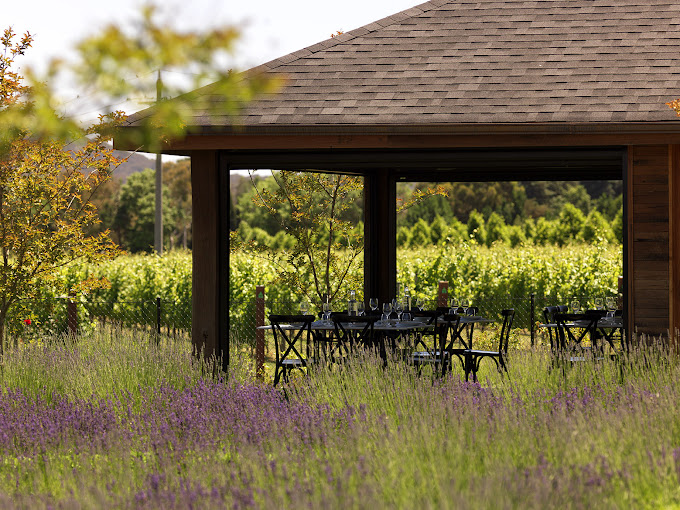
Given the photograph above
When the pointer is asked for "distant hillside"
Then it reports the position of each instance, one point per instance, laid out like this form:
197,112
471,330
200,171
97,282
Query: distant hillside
136,163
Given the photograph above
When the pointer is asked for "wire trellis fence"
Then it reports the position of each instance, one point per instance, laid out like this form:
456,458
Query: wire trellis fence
528,313
64,315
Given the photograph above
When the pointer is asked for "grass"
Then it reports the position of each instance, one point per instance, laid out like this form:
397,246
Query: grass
114,419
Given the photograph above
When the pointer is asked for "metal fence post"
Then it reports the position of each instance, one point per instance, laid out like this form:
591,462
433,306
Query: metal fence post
532,307
158,319
259,333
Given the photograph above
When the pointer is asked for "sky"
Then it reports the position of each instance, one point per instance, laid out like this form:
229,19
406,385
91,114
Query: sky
270,28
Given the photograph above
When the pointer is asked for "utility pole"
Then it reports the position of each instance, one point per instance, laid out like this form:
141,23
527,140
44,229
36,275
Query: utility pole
158,223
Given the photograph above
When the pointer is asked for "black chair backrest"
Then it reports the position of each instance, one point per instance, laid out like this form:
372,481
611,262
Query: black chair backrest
344,331
570,336
548,313
508,317
287,340
431,316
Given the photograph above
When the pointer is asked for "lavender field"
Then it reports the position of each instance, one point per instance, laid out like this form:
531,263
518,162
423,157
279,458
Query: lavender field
113,420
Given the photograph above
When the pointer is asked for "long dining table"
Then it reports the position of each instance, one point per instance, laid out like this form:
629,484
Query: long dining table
389,335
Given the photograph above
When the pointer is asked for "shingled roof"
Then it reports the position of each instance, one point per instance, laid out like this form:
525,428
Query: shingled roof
450,62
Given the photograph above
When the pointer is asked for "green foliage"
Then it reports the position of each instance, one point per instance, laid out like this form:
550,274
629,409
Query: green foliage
569,225
46,213
545,231
617,226
135,217
476,228
403,237
596,228
438,229
420,234
312,209
490,275
496,229
516,236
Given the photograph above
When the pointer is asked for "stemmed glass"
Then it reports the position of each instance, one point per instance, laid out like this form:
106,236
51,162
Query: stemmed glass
373,303
326,311
420,303
453,305
387,311
599,305
610,303
575,305
304,307
399,308
360,308
465,304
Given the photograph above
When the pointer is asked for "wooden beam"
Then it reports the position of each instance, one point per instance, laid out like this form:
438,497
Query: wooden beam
380,235
209,332
313,141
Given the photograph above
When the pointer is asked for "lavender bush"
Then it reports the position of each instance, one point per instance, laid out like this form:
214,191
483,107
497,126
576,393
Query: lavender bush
114,420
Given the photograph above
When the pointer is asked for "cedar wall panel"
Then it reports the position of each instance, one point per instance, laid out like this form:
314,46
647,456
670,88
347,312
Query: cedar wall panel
649,253
674,229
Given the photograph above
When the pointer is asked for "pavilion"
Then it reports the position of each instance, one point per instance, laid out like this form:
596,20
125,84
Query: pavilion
471,90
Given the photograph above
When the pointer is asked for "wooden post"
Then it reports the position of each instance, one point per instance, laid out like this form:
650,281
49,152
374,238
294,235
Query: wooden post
443,293
72,315
259,333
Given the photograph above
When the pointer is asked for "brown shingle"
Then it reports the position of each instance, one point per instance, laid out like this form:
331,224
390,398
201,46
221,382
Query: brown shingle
481,61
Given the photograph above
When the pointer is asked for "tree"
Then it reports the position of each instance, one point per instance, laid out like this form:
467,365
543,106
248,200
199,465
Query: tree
47,181
596,228
178,180
570,224
420,234
476,228
45,197
134,220
496,229
325,246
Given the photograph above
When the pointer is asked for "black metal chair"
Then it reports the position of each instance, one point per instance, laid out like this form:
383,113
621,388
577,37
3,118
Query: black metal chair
574,330
425,349
438,351
474,357
352,331
549,324
290,332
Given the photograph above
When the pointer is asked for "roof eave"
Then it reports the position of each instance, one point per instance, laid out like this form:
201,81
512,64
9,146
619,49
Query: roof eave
426,135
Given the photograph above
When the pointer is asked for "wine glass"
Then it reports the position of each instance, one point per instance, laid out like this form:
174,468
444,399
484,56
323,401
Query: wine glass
465,304
610,303
399,308
575,305
304,307
373,303
420,303
453,305
599,304
387,311
360,308
326,311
